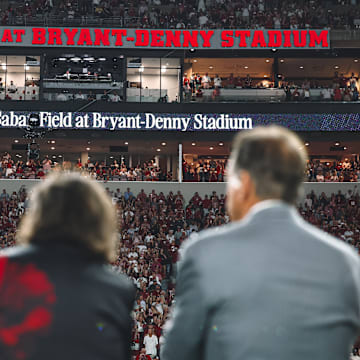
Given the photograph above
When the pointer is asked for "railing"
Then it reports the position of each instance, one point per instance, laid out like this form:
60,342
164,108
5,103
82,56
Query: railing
187,189
94,21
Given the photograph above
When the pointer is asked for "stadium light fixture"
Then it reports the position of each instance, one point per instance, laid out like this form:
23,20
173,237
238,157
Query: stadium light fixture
158,150
356,60
246,67
267,60
163,143
337,144
126,143
16,141
307,144
193,144
221,144
52,148
336,67
195,61
345,148
301,67
211,148
88,149
192,50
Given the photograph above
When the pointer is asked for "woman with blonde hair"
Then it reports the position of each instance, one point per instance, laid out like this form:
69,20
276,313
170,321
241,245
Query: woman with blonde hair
59,298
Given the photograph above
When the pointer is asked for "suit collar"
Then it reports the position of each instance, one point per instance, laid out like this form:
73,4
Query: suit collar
269,209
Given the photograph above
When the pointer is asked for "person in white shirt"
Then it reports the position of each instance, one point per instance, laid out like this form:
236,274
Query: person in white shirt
203,19
61,97
326,94
80,96
12,87
151,341
217,81
206,81
115,98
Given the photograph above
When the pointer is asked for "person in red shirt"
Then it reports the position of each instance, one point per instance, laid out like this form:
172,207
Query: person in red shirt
143,356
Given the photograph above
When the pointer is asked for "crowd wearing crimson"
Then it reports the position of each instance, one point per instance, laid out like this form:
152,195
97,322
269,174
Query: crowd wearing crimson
339,88
153,226
210,170
204,171
271,14
347,170
37,169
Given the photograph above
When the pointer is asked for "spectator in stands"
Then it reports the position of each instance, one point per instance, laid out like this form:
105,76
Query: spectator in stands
105,96
326,94
151,342
296,95
12,87
217,81
337,93
80,96
248,82
206,80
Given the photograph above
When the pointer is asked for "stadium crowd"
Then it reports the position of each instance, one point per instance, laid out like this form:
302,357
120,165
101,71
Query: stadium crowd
334,14
339,88
211,170
151,230
37,169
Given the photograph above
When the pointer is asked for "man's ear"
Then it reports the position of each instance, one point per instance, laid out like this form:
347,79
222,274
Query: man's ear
247,188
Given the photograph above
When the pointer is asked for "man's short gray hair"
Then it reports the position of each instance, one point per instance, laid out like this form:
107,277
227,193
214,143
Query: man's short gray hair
275,159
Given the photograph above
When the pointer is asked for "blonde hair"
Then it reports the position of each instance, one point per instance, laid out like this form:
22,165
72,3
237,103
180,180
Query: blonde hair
71,209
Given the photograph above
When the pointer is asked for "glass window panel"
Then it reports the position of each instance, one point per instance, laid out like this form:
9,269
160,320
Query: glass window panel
2,81
150,85
134,84
16,60
32,82
169,81
15,82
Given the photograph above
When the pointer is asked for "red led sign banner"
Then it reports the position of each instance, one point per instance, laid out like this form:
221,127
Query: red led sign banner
165,39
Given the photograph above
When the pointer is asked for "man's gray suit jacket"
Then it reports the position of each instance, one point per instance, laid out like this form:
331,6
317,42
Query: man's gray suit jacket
268,287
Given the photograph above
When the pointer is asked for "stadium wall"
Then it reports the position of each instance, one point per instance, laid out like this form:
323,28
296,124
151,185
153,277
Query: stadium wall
187,189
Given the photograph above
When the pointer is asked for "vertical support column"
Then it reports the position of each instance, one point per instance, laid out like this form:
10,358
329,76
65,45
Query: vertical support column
43,70
84,157
276,71
124,78
174,167
168,163
157,160
181,95
180,163
130,161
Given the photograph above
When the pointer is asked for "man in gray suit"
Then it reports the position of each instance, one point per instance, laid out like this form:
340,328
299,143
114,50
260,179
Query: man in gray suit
268,285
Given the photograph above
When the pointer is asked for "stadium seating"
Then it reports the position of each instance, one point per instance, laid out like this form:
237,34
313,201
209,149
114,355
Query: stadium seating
153,226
